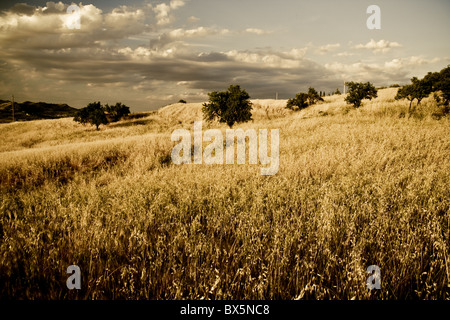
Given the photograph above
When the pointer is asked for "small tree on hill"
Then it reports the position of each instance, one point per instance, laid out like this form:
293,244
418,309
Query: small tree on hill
299,102
337,91
231,106
443,85
357,91
313,96
417,90
94,114
117,111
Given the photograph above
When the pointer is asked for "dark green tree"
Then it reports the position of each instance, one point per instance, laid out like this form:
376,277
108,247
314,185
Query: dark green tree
299,102
117,111
406,92
313,96
357,91
337,91
417,90
94,114
443,85
231,106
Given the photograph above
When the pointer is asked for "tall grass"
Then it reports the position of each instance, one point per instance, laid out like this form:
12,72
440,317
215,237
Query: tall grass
355,188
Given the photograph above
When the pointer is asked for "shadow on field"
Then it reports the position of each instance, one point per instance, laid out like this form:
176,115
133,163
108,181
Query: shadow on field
126,124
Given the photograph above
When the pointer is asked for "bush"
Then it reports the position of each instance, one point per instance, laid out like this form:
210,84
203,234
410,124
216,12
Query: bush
299,102
303,100
231,106
313,96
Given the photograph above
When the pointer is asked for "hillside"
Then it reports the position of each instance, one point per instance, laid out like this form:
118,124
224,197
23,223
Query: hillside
355,188
26,111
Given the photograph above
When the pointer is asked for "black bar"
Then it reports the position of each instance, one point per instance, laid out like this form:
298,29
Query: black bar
226,309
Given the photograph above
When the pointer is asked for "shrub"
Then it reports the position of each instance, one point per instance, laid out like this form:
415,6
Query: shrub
313,96
299,102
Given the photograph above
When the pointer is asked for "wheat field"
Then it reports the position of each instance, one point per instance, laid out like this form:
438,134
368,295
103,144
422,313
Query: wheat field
355,187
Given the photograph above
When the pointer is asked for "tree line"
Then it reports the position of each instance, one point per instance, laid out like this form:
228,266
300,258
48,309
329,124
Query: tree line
96,114
434,82
234,105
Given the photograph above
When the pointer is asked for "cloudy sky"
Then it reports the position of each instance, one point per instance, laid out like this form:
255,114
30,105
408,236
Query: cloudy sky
147,54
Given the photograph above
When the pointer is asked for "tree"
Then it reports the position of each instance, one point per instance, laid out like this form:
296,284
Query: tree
313,96
443,85
231,106
357,91
303,100
417,90
300,101
182,101
94,114
117,111
406,92
337,91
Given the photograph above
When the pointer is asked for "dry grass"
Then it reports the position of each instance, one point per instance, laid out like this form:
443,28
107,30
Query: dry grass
355,188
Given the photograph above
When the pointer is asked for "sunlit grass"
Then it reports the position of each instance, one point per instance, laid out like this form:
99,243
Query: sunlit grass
355,188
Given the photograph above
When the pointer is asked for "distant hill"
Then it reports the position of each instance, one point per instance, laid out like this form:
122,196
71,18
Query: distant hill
24,111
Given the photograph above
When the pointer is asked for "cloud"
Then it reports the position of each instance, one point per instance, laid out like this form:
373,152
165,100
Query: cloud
270,59
381,46
44,30
180,35
102,60
257,31
193,19
22,8
163,11
328,48
345,54
395,70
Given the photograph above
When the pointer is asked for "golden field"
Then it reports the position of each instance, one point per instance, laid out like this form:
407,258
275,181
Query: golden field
355,187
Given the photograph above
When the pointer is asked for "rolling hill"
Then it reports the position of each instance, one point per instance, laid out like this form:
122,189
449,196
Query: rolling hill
355,188
28,110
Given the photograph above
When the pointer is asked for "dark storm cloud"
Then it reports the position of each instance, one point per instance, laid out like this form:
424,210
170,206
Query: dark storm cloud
23,8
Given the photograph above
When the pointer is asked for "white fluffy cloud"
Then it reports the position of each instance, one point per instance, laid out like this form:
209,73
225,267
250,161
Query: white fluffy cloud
395,70
328,48
380,46
257,31
270,59
48,30
163,11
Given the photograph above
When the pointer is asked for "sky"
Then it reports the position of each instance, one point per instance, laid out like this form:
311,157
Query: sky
147,54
